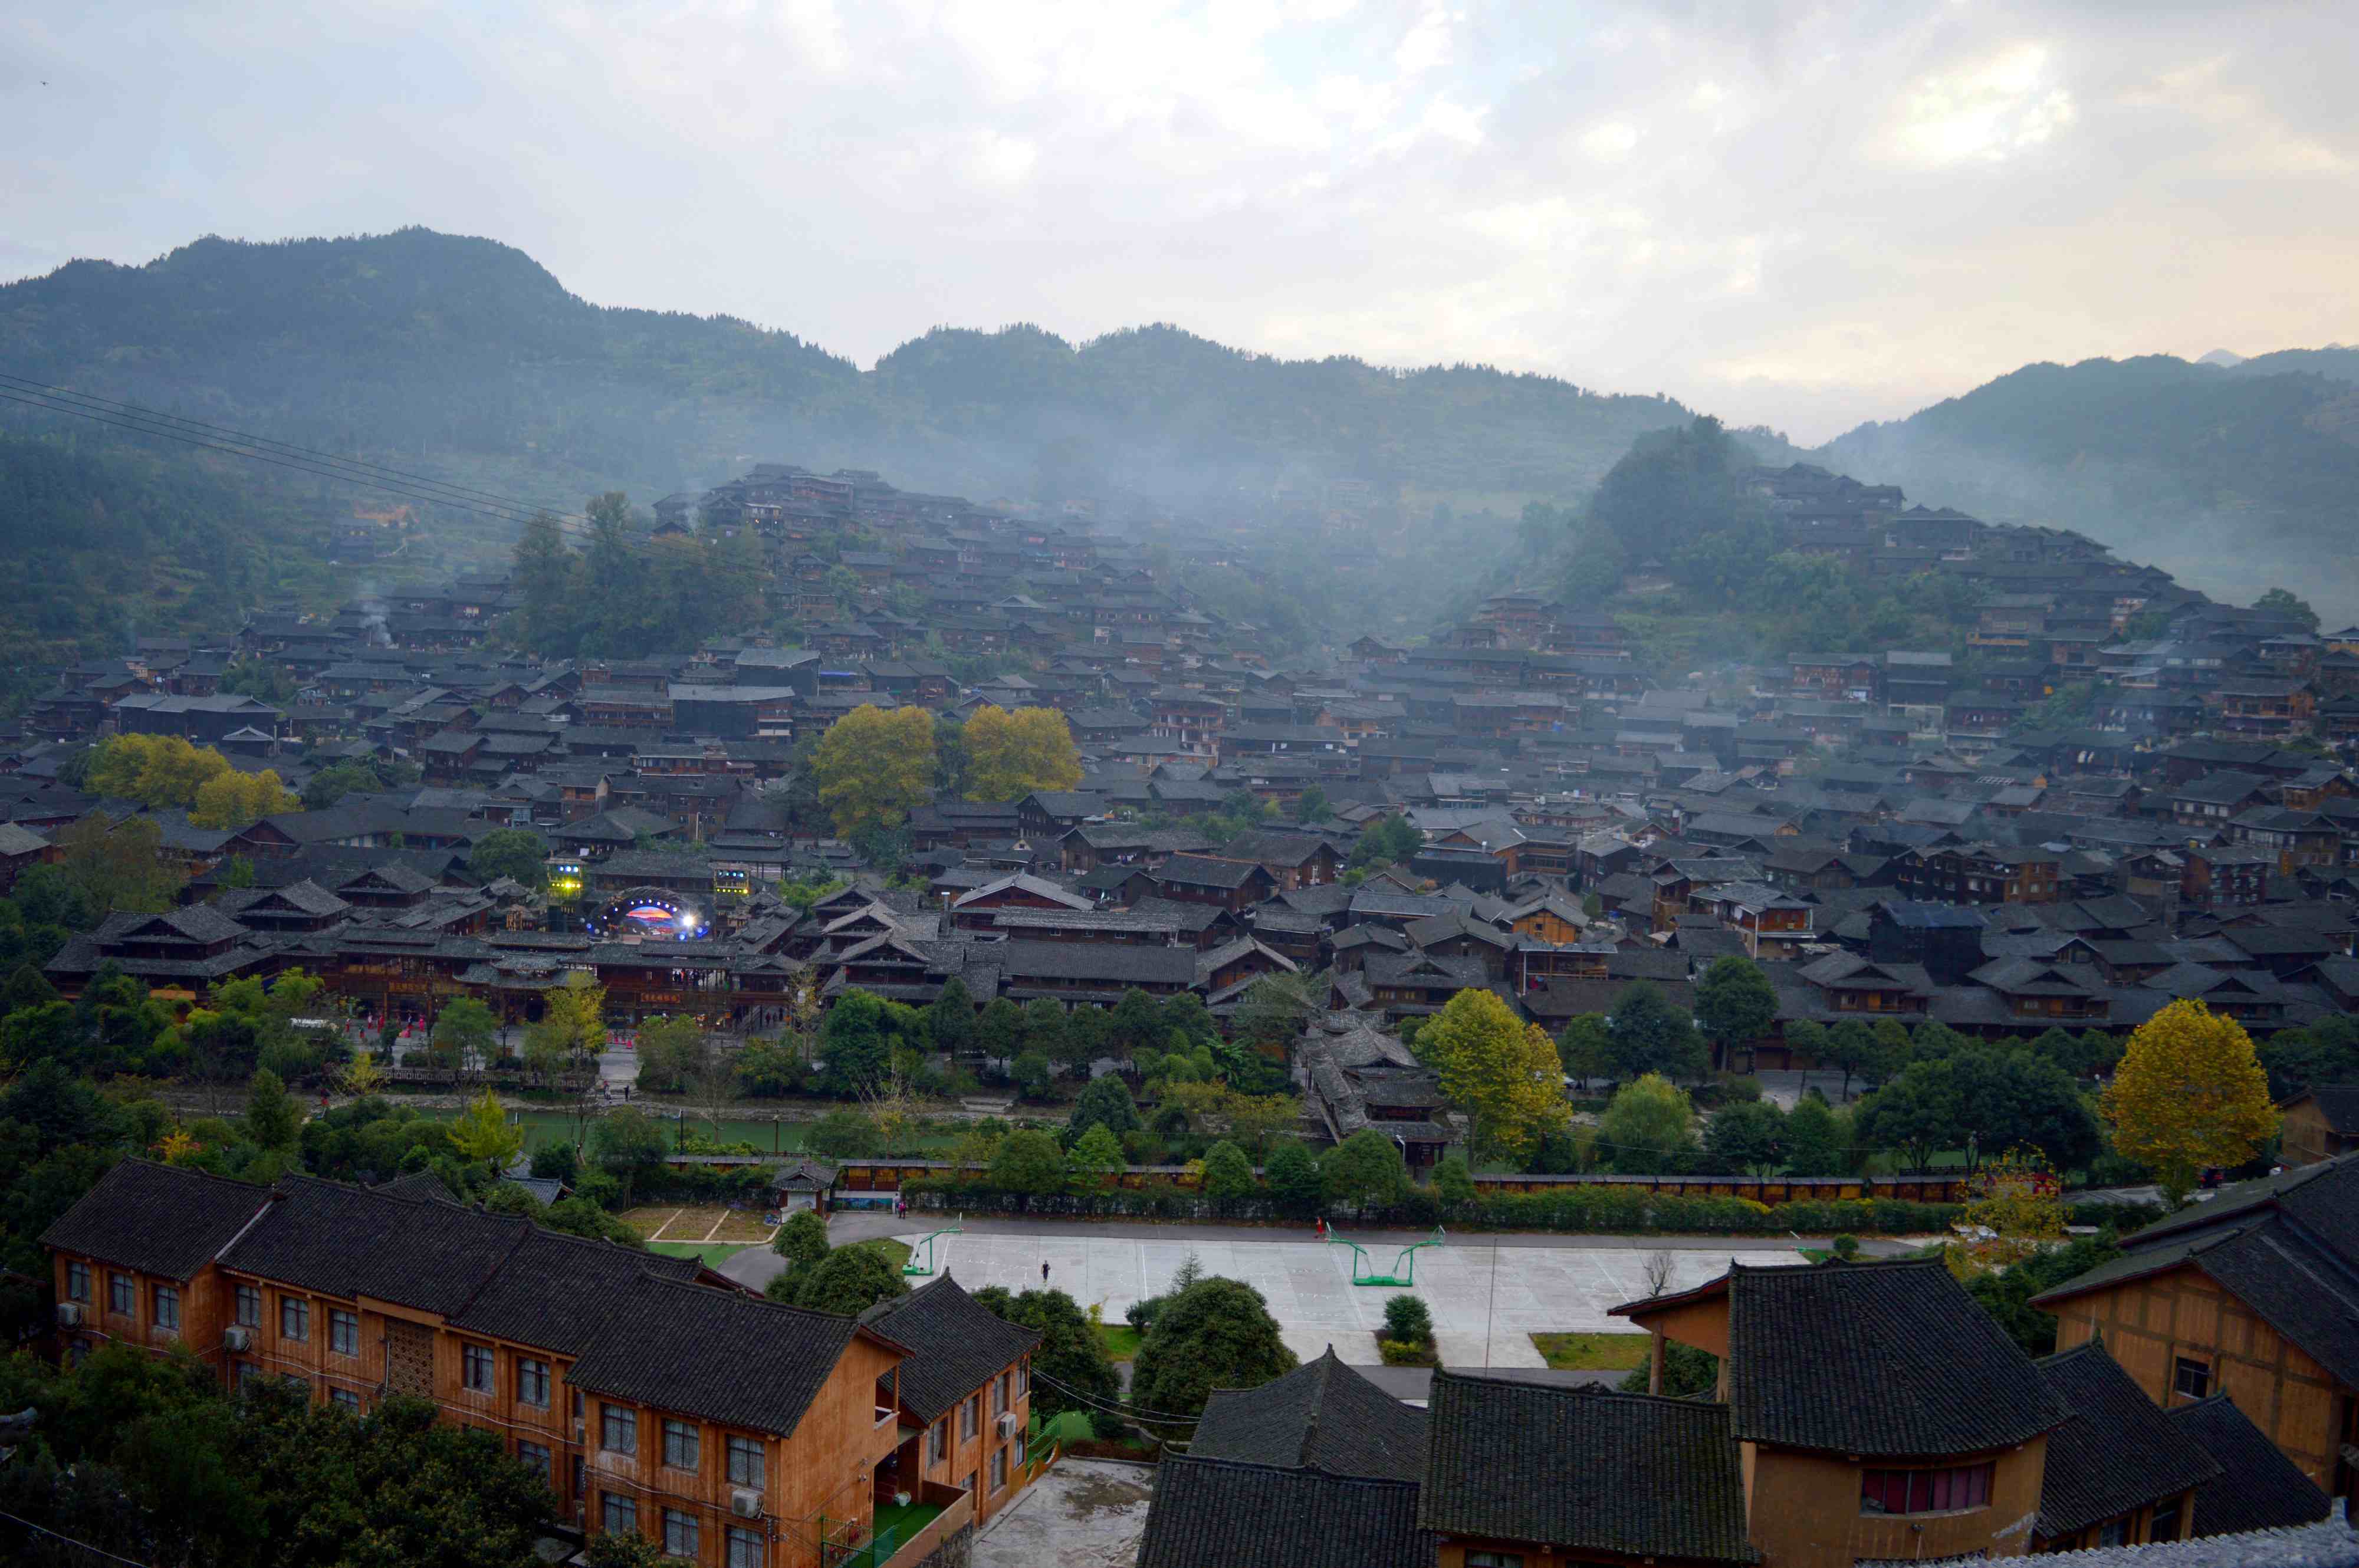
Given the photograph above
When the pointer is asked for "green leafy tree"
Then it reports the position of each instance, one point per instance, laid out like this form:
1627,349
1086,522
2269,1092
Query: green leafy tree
520,854
1651,1035
853,1043
465,1033
1736,1003
1095,1157
1070,1354
1028,1162
1648,1129
2326,1051
628,1145
1032,1073
1453,1182
1294,1179
951,1021
1815,1138
1365,1172
1105,1102
1748,1137
1916,1116
1215,1334
1688,1373
1585,1048
1228,1174
1000,1030
273,1120
847,1281
2282,602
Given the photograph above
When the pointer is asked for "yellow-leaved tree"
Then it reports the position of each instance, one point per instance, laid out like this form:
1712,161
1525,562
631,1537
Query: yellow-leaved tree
874,765
2187,1095
1498,1069
154,770
483,1132
233,799
1010,754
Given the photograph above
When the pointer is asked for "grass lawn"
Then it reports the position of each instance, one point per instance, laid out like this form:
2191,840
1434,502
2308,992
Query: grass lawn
1119,1340
1593,1352
897,1253
712,1253
1072,1426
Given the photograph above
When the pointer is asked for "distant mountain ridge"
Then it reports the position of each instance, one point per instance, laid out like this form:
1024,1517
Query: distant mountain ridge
424,349
2234,477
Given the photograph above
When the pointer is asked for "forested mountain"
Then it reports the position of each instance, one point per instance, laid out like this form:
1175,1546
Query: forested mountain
102,543
2234,477
467,359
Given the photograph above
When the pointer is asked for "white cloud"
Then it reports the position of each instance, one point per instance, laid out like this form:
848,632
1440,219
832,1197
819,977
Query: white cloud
1989,110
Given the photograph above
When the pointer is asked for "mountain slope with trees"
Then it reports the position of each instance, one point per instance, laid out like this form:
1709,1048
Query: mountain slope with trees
466,359
2228,476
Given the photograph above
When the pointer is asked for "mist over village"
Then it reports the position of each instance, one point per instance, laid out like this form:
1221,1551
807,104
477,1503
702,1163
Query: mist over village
1349,785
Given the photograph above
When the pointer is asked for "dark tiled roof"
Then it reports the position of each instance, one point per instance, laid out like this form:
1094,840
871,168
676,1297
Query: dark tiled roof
956,1345
1583,1469
2117,1453
351,1241
1216,1511
1322,1416
557,1290
662,1346
157,1219
1835,1357
2258,1487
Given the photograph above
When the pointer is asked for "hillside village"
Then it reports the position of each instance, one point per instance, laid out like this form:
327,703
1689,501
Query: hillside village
2103,796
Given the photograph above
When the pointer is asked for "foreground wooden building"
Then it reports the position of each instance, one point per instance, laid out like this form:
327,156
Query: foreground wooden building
2254,1294
655,1395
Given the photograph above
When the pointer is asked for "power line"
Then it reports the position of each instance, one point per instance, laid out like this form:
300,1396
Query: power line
135,410
69,1541
416,491
1153,1418
188,440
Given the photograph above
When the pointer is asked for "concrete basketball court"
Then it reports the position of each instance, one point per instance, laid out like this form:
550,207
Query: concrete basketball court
1516,1291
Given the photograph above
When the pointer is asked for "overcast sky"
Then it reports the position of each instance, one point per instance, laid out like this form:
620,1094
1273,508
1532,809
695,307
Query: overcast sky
1799,215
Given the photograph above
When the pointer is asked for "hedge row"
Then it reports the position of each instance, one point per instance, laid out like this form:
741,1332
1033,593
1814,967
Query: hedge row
1603,1211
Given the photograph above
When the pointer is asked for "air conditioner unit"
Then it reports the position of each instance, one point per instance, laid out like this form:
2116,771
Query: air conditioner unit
237,1339
1007,1423
744,1503
68,1314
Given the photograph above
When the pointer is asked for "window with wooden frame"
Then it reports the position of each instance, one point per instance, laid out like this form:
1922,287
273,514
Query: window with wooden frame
1950,1490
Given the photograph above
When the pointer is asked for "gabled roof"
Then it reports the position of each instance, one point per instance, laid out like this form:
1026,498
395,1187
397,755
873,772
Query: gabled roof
1832,1358
1322,1416
157,1219
956,1345
351,1241
2258,1487
722,1354
1583,1469
1217,1511
2117,1452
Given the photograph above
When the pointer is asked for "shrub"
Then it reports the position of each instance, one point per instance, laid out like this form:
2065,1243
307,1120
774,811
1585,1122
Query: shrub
1846,1246
1400,1353
1407,1320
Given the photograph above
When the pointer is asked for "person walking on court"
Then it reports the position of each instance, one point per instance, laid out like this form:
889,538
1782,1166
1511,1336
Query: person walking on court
1044,1273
